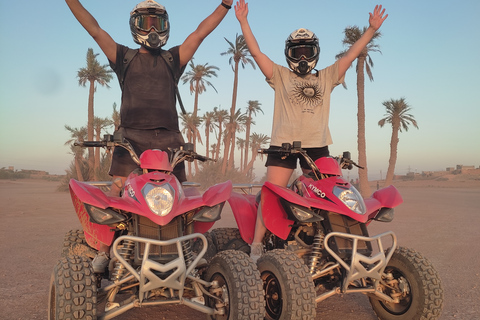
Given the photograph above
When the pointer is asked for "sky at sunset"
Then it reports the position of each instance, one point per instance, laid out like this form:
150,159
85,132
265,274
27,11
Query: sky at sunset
429,56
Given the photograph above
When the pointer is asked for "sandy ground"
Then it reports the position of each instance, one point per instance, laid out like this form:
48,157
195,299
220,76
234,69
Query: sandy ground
439,219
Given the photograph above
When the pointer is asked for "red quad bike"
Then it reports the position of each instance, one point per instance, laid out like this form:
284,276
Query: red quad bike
318,245
159,247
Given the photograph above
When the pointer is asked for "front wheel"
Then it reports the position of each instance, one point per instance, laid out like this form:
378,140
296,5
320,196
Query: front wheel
239,292
413,278
74,243
72,293
289,288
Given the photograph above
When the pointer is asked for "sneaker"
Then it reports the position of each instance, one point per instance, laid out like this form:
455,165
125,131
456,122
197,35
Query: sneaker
256,251
100,262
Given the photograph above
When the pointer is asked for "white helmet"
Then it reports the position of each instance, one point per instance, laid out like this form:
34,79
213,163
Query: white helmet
302,51
149,24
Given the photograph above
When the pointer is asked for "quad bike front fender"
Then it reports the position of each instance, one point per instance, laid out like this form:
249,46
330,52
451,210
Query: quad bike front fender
244,210
274,216
214,195
95,234
388,197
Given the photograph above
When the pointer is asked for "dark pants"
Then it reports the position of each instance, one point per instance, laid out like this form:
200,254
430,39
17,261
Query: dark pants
141,140
290,162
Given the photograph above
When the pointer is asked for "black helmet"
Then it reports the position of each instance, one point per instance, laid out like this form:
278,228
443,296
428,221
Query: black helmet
149,24
302,51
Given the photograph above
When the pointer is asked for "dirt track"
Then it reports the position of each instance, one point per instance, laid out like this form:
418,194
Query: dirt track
440,221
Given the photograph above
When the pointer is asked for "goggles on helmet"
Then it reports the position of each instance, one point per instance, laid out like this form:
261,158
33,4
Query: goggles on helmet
145,22
305,51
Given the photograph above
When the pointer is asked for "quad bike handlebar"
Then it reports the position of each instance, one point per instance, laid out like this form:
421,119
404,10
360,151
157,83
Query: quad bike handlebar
287,149
177,155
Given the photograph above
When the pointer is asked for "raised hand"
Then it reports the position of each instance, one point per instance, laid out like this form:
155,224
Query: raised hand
241,10
376,19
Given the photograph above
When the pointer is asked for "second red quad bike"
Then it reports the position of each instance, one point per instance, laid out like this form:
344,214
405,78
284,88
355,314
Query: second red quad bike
317,245
161,251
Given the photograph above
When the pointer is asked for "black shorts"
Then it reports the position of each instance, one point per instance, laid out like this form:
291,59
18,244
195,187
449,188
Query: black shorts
290,162
141,140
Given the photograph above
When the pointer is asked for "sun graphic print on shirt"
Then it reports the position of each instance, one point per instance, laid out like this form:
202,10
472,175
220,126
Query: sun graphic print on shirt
308,96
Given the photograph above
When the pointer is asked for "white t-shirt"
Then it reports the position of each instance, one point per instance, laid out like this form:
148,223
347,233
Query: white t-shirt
302,106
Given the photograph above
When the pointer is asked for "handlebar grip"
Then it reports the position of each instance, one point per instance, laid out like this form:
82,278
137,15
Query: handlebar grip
203,158
267,151
95,144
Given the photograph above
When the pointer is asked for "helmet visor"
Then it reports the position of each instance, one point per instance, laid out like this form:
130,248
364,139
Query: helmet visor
144,22
299,52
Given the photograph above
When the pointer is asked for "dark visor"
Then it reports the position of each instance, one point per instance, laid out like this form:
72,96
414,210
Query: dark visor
306,52
147,22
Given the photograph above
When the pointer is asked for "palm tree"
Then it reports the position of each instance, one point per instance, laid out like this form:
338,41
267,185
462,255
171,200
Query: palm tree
253,108
235,125
115,117
257,140
190,125
99,124
197,80
94,72
397,115
241,147
208,122
77,134
220,117
364,62
238,54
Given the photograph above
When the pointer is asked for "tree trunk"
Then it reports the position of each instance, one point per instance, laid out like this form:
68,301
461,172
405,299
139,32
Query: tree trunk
96,167
393,153
91,157
207,141
231,158
249,166
226,143
78,169
231,135
247,139
219,141
365,189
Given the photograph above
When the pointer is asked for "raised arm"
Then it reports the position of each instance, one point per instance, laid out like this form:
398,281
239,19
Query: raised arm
193,41
106,43
263,62
376,20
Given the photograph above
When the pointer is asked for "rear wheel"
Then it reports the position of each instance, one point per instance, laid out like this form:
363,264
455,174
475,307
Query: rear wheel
289,288
240,288
416,282
229,239
72,293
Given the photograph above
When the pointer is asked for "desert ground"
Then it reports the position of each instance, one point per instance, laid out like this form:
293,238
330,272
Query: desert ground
440,219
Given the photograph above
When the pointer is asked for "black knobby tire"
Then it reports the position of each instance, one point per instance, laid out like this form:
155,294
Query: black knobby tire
425,297
73,292
211,249
229,239
288,286
74,243
240,284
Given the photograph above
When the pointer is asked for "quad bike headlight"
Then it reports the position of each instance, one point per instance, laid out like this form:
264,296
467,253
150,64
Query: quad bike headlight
299,213
209,214
159,198
103,216
351,198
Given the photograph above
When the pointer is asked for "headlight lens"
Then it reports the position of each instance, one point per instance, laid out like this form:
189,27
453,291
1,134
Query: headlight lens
301,214
159,198
209,214
103,216
351,198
